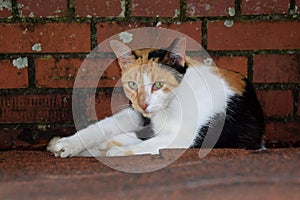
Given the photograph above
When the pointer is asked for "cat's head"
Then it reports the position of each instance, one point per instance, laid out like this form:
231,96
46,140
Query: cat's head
150,75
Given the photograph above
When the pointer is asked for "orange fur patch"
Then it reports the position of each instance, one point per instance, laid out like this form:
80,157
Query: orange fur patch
234,80
113,143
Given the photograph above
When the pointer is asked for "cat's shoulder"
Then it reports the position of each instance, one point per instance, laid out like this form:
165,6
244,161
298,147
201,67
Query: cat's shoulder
236,81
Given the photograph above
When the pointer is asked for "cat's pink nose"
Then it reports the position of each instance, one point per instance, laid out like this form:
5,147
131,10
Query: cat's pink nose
144,106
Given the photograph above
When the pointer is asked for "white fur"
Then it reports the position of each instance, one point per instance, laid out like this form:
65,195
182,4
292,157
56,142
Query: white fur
199,96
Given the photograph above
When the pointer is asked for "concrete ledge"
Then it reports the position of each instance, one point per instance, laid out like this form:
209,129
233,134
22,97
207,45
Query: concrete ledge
223,174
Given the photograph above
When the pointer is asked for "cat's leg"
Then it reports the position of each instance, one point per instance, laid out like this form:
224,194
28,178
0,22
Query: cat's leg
123,139
150,146
94,135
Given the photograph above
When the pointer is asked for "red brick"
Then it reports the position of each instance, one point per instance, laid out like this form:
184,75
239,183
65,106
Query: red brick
11,76
53,73
40,8
105,104
201,8
191,29
254,35
283,132
276,68
140,39
98,8
35,108
234,63
61,73
53,37
5,9
256,7
161,8
104,71
276,102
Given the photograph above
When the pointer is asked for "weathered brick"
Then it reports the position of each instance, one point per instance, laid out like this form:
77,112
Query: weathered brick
61,73
105,104
11,76
52,37
5,9
283,132
201,8
254,35
161,8
276,102
256,7
99,8
40,8
54,73
104,71
276,68
35,108
142,39
191,29
234,63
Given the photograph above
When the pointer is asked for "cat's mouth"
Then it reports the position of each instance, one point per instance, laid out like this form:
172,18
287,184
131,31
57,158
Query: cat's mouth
147,114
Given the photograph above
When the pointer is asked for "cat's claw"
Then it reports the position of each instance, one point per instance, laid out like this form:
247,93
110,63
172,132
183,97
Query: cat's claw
62,147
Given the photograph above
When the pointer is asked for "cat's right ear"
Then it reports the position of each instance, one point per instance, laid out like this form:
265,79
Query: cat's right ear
123,53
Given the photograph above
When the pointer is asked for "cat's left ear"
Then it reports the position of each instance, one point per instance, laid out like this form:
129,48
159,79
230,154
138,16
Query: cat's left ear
177,51
123,53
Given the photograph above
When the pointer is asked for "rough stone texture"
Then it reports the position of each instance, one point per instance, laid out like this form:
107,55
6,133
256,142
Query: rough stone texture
223,174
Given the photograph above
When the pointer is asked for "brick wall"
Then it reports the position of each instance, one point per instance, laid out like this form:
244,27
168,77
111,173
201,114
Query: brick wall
51,38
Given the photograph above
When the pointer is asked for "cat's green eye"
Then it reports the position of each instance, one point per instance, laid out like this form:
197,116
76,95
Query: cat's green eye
157,85
132,85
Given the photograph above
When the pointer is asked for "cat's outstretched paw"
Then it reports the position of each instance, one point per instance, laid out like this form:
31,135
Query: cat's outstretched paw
62,147
118,151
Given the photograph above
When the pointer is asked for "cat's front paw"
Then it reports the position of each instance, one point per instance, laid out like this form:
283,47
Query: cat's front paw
62,147
118,151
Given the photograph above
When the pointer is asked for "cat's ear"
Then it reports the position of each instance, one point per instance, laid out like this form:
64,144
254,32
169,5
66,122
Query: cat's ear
177,51
123,53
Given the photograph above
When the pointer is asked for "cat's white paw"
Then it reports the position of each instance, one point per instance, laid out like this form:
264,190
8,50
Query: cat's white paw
118,151
62,147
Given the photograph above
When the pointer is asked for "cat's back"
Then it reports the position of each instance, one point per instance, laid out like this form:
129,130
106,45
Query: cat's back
244,120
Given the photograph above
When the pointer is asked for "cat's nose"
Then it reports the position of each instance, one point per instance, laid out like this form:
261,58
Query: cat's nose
144,106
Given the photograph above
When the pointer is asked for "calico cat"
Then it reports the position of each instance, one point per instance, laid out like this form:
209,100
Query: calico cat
177,102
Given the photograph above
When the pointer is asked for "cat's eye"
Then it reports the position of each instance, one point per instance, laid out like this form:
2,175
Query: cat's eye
157,85
132,85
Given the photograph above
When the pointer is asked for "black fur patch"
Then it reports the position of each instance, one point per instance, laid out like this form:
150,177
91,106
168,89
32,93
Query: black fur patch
244,123
167,58
146,132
